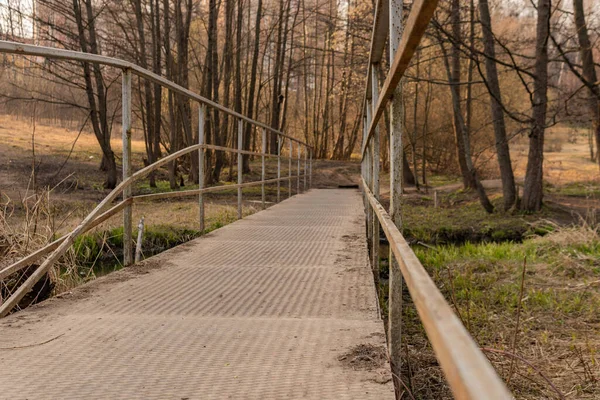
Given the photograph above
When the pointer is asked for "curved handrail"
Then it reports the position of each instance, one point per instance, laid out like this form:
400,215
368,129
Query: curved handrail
68,240
50,52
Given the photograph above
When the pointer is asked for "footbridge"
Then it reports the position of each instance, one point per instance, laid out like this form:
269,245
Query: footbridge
281,304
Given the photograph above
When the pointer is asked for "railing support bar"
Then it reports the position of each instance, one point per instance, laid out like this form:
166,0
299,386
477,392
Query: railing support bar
140,240
290,169
201,121
240,165
126,126
279,144
298,178
310,170
263,172
375,182
305,165
395,150
369,170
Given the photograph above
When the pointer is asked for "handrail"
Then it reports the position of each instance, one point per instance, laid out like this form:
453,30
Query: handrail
12,301
467,370
60,246
469,373
62,54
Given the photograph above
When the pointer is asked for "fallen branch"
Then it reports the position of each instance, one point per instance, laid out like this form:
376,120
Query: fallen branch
32,345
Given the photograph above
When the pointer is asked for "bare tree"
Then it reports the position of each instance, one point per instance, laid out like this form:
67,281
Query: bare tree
533,190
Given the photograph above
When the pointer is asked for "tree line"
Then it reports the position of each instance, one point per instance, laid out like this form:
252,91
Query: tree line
486,73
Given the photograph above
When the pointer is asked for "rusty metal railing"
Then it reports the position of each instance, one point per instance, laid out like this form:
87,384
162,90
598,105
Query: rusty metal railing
57,248
469,373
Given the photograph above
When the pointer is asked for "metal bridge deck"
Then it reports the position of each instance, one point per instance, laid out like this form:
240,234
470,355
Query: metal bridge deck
271,306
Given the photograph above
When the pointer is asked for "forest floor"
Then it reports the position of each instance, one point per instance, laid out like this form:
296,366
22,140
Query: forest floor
547,316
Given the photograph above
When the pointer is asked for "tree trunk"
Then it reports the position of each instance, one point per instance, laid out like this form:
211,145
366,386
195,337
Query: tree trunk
214,66
493,85
276,99
533,189
252,89
463,140
98,110
589,71
454,80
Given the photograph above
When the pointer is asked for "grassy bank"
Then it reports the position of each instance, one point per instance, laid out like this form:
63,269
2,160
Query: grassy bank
533,305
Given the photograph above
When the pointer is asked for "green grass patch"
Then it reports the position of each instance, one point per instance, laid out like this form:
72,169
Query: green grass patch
466,221
576,189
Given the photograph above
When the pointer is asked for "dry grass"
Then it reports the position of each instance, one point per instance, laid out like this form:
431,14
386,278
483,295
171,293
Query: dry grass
50,140
566,160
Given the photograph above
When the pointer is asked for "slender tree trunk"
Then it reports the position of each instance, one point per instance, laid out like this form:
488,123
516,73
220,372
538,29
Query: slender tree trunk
413,142
252,89
227,67
463,140
589,71
454,79
533,189
147,108
493,85
156,66
214,65
98,114
276,99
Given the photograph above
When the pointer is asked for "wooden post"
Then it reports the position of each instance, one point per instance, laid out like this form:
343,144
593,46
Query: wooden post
201,120
240,164
435,199
140,239
395,276
126,126
375,182
290,169
264,150
279,143
298,178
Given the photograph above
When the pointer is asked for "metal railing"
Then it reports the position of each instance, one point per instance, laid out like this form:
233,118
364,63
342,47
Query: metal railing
58,248
467,370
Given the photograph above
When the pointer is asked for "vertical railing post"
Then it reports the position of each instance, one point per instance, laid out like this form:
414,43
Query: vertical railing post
263,172
298,178
290,168
369,168
305,165
395,276
375,182
363,162
201,121
240,165
310,170
279,143
126,126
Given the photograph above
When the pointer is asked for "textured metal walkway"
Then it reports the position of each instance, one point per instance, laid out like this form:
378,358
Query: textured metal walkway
278,305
